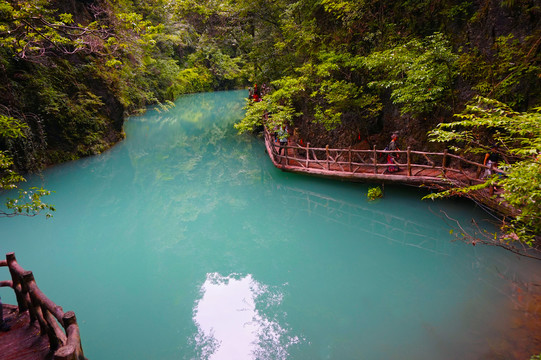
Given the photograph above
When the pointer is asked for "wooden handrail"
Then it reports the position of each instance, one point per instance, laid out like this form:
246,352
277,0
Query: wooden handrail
61,327
330,156
6,283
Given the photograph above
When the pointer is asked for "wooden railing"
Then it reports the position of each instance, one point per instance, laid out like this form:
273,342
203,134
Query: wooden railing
61,328
352,161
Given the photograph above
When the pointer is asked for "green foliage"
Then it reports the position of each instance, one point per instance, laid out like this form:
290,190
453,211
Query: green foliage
33,30
70,106
29,201
522,190
190,80
348,11
10,127
459,11
507,74
487,122
419,73
274,111
9,178
518,136
324,87
374,193
225,71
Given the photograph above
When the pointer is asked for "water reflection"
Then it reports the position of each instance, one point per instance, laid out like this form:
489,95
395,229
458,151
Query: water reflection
233,321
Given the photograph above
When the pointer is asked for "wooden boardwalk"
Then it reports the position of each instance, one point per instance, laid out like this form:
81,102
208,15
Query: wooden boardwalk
432,170
37,328
415,167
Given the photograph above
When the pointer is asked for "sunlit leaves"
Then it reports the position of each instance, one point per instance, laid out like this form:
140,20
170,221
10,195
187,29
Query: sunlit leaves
346,10
66,18
418,73
190,80
28,203
10,127
518,136
272,111
522,186
9,178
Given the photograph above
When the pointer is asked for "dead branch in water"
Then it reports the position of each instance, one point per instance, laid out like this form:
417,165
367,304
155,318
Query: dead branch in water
516,247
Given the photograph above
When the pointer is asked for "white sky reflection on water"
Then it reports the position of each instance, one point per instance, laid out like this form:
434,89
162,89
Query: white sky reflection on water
229,324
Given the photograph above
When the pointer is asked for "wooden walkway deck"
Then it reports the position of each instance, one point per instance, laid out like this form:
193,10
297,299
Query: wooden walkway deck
439,171
23,341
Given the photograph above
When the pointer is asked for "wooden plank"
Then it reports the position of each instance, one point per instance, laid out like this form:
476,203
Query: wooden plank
23,341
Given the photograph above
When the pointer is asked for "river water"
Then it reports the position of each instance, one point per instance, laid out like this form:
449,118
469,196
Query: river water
184,242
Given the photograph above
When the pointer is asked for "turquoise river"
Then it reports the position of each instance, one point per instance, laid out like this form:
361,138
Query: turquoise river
184,242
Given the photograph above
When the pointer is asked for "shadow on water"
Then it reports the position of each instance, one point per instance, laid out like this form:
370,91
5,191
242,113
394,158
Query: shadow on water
384,225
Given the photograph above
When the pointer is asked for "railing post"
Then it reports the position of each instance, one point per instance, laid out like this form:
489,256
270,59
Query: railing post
273,148
409,161
26,279
349,158
48,329
286,150
17,286
66,352
443,162
327,155
375,160
307,154
72,330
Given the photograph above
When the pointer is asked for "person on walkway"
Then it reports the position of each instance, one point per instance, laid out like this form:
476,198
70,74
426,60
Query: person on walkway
492,160
257,93
283,136
391,156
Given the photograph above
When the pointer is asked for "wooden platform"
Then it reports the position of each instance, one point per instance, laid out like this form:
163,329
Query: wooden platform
440,171
23,340
37,328
339,164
